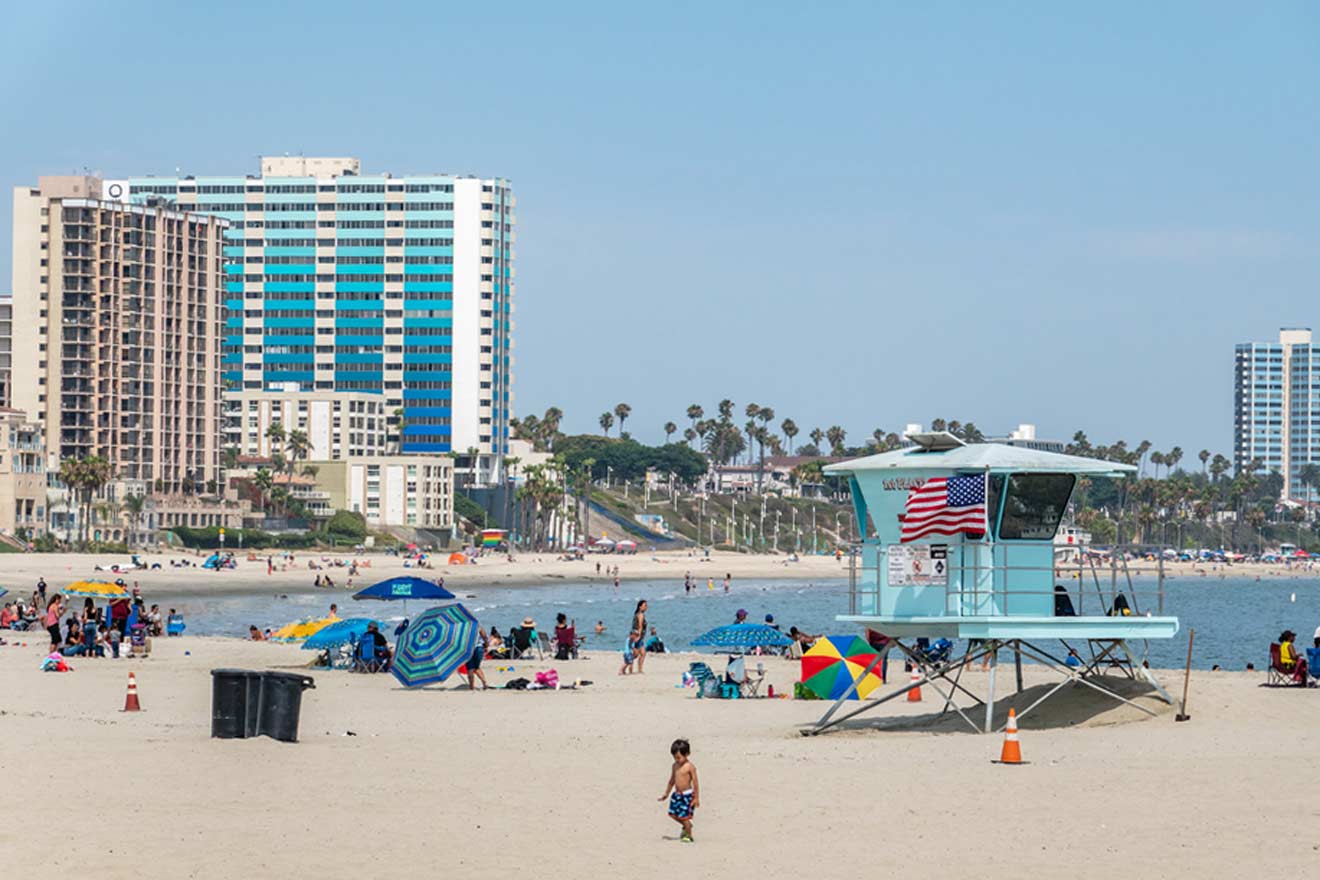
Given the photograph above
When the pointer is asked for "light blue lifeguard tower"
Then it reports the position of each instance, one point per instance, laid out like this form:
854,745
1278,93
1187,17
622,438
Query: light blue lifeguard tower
995,583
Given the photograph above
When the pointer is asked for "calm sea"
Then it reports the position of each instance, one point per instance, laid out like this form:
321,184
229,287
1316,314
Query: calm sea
1235,618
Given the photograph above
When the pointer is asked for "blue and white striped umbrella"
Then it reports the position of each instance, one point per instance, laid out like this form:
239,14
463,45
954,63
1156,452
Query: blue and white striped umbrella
436,643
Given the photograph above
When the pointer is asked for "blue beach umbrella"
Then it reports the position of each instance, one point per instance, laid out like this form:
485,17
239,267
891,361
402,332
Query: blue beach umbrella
343,632
404,588
436,643
742,635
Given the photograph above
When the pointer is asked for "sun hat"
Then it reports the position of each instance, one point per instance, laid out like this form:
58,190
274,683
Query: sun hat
742,612
527,621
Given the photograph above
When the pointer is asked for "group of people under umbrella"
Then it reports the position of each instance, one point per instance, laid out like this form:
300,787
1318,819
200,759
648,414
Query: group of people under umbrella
430,647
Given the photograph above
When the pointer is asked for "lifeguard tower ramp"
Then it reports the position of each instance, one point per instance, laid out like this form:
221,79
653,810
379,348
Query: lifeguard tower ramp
988,575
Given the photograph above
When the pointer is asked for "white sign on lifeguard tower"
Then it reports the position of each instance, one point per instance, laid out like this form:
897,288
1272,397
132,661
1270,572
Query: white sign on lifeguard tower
918,565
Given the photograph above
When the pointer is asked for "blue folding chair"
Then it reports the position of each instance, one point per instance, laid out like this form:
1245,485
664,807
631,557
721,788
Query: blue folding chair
365,656
1313,662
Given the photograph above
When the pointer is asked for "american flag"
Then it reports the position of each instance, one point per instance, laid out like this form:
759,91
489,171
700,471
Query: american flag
944,506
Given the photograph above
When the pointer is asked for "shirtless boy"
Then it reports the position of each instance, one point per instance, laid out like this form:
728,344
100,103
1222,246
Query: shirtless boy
683,792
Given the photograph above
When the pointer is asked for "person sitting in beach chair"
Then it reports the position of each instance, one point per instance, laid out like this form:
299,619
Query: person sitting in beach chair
566,638
1121,607
138,641
174,625
373,651
522,640
1287,667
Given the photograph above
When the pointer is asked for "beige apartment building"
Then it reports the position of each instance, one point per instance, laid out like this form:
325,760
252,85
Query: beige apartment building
392,490
338,424
6,346
22,474
118,317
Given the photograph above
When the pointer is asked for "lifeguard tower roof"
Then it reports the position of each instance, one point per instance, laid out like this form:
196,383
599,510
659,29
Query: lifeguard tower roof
937,454
958,544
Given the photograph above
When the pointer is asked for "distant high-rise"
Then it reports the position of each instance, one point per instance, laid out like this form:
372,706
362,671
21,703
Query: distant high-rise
345,282
117,320
1276,399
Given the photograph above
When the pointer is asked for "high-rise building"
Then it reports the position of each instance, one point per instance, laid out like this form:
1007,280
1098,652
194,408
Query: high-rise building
347,282
1276,399
119,314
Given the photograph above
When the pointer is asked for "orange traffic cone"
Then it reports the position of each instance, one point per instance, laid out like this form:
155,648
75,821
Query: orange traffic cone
131,703
1012,752
914,695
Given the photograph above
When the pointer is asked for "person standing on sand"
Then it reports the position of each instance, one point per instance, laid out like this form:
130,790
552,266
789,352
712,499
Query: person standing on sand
41,589
682,791
639,631
53,609
474,662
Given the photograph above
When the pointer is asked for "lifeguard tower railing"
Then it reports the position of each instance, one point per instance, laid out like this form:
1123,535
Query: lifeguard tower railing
1093,580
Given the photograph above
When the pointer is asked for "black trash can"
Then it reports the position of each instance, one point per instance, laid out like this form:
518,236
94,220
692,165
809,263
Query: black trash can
235,703
281,704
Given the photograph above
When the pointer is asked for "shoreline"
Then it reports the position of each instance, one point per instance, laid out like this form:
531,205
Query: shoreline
19,571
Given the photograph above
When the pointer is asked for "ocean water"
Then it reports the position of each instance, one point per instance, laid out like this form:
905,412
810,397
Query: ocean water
1235,618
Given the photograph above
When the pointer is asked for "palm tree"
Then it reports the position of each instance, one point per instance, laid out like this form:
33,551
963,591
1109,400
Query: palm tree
816,435
790,429
670,428
972,434
1204,455
1142,448
694,414
1172,457
689,434
264,480
726,409
606,422
622,411
134,506
939,425
229,458
1309,475
275,433
299,447
550,426
836,436
1218,467
310,470
1157,459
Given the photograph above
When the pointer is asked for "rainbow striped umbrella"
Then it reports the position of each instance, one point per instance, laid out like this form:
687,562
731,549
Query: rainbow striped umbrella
436,643
831,666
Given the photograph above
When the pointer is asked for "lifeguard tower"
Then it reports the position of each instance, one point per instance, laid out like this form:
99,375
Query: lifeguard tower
959,545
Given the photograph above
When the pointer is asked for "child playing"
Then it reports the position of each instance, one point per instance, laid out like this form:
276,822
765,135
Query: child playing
628,655
686,796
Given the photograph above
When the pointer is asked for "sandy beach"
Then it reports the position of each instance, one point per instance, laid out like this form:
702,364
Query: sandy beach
568,781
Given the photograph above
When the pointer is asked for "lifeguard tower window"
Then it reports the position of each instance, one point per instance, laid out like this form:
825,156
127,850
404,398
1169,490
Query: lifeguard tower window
1034,506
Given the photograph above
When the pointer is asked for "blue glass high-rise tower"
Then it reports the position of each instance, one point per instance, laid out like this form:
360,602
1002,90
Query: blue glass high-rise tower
344,281
1276,424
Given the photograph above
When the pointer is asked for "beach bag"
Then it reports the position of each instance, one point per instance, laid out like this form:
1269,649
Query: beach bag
549,679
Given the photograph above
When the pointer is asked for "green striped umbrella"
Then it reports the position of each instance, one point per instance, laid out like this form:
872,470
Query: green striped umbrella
437,642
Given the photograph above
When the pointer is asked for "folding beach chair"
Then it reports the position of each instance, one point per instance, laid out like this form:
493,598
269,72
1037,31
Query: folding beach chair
751,686
566,643
1313,662
365,656
708,683
522,643
1276,675
543,645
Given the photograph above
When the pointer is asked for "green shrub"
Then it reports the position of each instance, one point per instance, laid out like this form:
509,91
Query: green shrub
347,524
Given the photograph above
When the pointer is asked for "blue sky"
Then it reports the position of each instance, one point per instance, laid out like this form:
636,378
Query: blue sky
864,214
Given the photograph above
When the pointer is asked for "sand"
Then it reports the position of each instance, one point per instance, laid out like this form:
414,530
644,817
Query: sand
19,571
566,783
